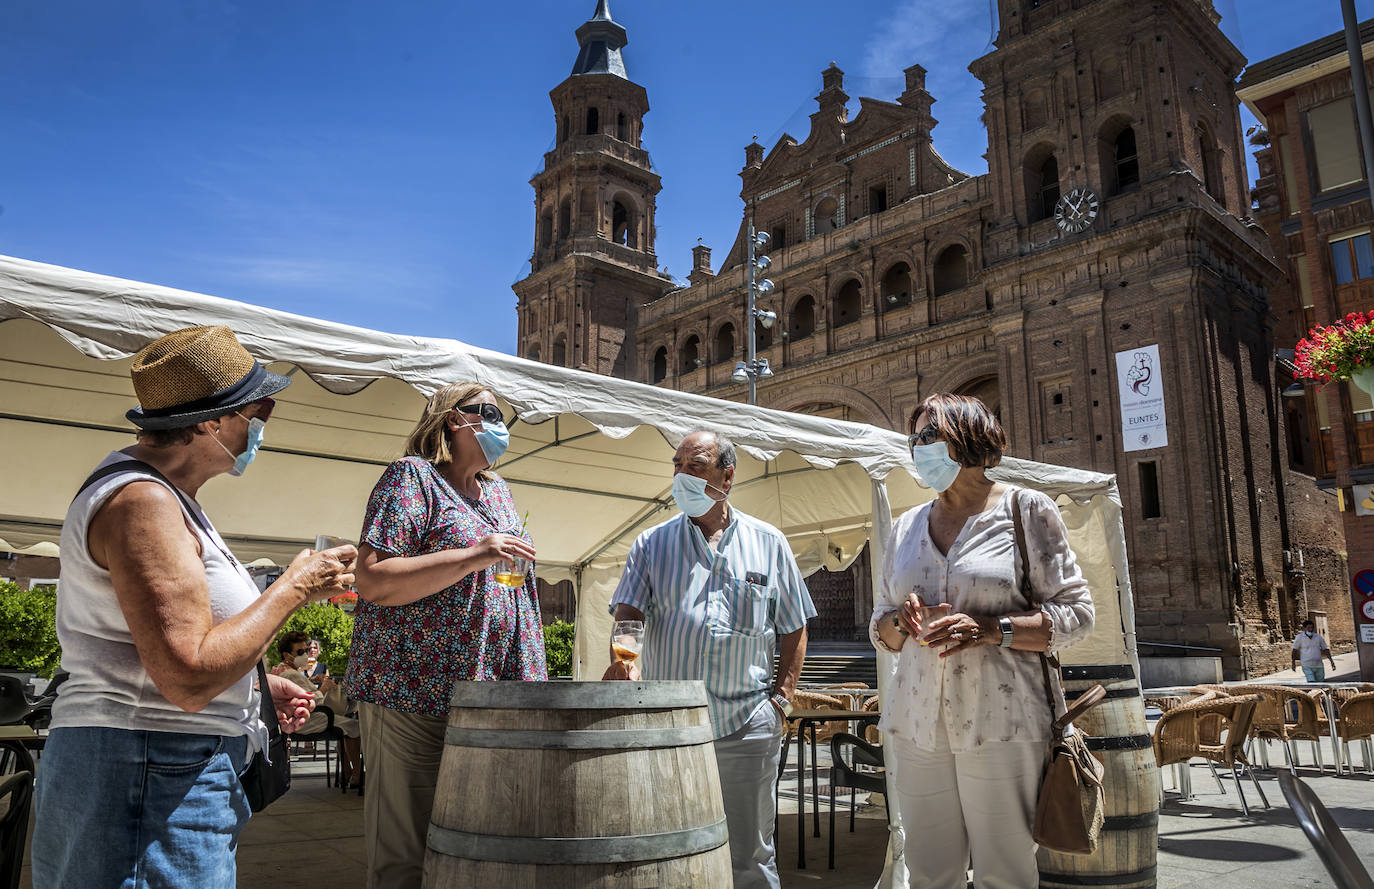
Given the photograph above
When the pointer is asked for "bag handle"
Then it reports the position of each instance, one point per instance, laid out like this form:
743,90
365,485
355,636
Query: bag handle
1090,698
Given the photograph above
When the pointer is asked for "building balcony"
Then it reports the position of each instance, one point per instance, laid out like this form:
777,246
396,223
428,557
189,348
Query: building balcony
599,144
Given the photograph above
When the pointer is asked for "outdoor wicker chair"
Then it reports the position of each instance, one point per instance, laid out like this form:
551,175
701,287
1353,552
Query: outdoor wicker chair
1355,722
1214,729
1272,721
871,733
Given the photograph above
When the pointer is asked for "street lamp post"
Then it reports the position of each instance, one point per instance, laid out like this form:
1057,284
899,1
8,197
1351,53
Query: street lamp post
752,369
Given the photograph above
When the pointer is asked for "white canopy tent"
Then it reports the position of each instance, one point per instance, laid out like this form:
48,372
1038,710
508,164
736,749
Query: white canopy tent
589,457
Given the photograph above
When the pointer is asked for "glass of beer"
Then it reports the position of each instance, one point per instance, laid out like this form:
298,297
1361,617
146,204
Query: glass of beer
627,640
511,572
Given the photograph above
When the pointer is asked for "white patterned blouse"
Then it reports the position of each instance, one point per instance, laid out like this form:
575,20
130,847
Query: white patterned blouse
986,693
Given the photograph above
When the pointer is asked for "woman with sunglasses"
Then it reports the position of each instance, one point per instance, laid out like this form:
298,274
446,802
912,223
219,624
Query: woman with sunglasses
431,612
966,718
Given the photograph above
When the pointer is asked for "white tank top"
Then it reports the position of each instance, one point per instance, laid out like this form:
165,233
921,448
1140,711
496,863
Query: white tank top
109,687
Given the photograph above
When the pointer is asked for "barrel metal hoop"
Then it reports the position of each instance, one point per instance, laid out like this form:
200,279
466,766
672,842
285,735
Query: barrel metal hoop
577,850
1121,742
1073,672
578,739
664,695
1098,879
1130,822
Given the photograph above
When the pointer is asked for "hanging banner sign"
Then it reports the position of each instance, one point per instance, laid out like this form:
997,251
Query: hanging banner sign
1364,499
1140,387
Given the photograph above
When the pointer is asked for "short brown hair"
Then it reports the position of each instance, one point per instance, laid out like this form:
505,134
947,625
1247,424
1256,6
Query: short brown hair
289,641
166,438
974,436
429,438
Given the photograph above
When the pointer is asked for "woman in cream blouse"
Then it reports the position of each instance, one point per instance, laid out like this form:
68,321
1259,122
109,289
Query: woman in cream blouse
966,720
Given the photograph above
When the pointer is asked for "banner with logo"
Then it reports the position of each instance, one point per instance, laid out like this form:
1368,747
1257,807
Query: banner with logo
1140,387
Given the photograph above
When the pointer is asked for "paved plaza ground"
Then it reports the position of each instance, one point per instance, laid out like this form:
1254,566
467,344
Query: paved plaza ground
313,836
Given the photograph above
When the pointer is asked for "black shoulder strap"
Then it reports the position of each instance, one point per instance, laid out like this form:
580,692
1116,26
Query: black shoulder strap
147,469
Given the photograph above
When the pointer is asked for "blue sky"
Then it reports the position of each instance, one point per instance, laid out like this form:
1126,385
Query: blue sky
368,162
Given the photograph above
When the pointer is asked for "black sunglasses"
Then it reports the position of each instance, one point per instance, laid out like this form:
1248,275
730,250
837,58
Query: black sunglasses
489,412
297,652
928,435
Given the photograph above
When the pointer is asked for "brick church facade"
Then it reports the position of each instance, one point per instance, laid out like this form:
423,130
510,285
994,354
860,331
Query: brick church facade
1113,217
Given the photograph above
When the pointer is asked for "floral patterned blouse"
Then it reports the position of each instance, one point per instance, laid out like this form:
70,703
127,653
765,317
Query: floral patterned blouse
407,657
986,693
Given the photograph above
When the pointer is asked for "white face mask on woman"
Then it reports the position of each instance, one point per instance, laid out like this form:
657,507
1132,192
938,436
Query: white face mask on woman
934,464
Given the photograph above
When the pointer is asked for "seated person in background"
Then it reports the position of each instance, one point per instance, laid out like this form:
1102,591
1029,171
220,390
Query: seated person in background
318,671
295,656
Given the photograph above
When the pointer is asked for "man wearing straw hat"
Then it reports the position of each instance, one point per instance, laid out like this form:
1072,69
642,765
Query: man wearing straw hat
717,590
161,630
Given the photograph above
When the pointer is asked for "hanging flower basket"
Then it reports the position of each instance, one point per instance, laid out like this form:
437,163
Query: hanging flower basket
1341,351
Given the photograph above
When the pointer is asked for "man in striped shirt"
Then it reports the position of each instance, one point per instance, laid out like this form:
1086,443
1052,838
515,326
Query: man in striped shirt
717,591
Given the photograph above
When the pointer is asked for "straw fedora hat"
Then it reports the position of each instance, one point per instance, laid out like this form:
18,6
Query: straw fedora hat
196,374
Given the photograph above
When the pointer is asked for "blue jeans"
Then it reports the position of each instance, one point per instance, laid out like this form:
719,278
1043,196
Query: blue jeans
1315,674
135,809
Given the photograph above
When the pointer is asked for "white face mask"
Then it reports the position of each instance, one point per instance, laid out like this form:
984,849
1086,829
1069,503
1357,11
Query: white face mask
689,492
935,466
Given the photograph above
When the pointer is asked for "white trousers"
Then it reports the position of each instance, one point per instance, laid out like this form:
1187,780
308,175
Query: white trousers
748,764
979,804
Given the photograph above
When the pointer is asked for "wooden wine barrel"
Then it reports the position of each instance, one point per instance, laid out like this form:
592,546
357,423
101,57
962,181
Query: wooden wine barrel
1127,854
557,785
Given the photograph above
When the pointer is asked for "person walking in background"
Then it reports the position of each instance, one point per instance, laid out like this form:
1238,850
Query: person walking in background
162,630
440,526
1308,648
718,591
966,718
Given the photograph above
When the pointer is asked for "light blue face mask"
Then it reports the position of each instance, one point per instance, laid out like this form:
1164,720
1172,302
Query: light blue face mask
689,492
255,437
493,439
935,466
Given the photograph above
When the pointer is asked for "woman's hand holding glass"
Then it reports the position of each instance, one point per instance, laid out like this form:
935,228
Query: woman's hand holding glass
500,548
322,574
915,618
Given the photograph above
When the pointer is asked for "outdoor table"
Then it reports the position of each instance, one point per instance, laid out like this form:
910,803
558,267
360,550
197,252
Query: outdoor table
19,739
807,719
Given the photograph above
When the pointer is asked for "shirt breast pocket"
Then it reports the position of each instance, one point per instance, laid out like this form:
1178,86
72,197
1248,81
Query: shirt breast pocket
750,606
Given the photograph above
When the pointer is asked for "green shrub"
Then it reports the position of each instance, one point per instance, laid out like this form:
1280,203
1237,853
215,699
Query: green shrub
558,647
28,629
328,623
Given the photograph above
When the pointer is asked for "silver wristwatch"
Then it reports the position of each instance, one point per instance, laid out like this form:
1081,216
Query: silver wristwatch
1004,624
782,704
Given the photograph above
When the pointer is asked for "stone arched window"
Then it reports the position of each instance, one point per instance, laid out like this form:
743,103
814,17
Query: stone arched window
546,228
826,217
896,287
623,228
1041,173
725,343
848,303
660,372
951,269
1120,164
689,356
622,127
533,353
802,322
560,351
763,336
593,121
565,218
1209,155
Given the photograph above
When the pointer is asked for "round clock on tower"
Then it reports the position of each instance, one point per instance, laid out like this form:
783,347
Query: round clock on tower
1076,210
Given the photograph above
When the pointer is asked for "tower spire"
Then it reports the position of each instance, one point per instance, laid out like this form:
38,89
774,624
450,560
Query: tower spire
601,38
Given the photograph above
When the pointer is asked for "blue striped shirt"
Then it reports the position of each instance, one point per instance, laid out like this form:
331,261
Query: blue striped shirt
715,615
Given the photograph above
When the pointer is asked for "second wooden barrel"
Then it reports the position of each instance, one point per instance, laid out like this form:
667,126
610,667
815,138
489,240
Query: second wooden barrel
1127,854
578,785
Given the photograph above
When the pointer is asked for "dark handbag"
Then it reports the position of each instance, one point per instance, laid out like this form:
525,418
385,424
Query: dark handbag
1071,805
268,775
